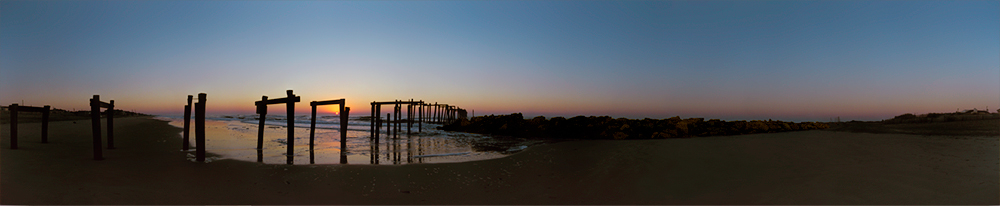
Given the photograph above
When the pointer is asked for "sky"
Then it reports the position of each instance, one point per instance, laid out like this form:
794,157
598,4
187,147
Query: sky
782,60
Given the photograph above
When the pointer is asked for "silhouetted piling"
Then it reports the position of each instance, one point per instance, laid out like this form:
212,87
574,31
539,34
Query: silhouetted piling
420,118
290,117
111,124
344,117
199,128
312,128
395,129
343,127
13,125
409,118
95,126
371,131
262,112
187,124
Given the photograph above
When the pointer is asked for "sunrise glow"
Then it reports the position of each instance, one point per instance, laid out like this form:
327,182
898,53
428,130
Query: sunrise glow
806,60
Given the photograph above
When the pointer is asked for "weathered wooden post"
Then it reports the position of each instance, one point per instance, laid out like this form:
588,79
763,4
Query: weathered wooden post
111,124
344,117
312,126
420,117
411,114
371,131
187,124
262,111
13,126
199,128
312,133
395,129
388,126
378,121
290,105
95,126
399,118
409,118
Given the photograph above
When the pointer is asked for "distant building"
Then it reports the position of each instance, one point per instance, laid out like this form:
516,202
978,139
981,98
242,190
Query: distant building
976,111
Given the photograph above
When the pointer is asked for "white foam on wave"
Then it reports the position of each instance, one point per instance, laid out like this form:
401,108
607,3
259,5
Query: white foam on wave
439,155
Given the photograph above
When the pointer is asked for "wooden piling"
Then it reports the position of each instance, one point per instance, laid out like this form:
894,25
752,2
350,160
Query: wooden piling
395,129
371,131
409,118
111,124
420,118
199,128
344,118
187,124
95,126
13,126
262,111
312,129
290,105
344,115
388,125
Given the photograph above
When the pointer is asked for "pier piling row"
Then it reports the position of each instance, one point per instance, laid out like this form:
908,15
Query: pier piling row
392,126
436,113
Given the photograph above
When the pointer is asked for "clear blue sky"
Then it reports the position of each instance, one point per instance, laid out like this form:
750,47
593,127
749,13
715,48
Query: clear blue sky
789,60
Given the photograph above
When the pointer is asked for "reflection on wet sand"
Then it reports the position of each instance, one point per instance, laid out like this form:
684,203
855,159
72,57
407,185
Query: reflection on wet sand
415,148
237,139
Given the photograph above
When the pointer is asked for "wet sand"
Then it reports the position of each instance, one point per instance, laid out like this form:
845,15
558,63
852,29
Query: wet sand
809,167
238,140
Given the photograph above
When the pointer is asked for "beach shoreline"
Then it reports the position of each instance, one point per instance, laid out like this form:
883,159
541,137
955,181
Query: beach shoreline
806,167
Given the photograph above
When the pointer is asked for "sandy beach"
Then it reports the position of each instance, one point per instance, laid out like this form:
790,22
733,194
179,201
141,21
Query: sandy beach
806,167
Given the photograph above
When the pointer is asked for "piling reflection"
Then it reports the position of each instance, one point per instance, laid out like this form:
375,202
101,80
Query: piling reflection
238,139
420,149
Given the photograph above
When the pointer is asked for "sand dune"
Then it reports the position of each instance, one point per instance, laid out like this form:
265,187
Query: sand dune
809,167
